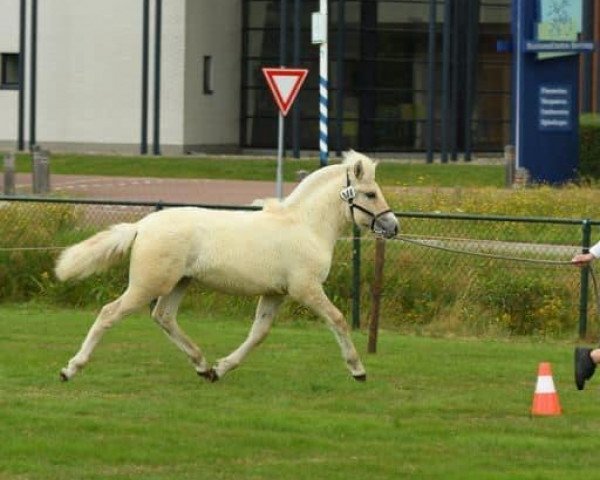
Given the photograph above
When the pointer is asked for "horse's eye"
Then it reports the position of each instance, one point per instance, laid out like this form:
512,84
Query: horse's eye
371,195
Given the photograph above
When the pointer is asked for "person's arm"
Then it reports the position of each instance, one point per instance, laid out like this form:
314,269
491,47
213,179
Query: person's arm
585,258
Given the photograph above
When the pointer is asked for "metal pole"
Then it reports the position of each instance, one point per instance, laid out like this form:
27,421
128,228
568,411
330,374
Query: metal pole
356,278
471,36
454,84
33,74
295,108
341,47
367,76
282,32
40,171
244,90
586,58
21,119
9,173
518,66
279,180
145,52
157,55
596,73
323,89
509,165
282,62
445,80
584,276
431,81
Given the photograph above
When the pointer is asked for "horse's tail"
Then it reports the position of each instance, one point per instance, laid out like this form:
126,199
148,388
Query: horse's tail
97,253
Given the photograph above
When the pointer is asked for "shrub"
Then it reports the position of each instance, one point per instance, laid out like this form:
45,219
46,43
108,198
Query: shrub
425,291
589,149
445,293
32,235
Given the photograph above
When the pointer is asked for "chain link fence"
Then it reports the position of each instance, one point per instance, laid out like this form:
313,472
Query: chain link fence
445,274
476,274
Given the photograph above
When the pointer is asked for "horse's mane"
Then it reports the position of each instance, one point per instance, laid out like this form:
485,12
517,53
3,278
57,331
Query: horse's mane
272,205
319,177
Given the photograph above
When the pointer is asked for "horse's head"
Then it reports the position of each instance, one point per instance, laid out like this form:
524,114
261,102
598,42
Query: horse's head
367,206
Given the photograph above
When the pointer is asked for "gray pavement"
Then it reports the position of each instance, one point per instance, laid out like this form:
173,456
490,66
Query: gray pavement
204,191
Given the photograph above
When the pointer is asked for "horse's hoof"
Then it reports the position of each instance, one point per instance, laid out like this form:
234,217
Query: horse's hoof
63,377
360,378
210,375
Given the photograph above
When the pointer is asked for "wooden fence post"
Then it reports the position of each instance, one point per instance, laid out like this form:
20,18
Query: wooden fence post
376,294
355,277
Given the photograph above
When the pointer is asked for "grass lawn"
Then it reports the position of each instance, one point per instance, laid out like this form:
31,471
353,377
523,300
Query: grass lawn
390,173
432,408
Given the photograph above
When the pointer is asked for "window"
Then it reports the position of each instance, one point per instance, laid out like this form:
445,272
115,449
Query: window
208,75
378,87
9,71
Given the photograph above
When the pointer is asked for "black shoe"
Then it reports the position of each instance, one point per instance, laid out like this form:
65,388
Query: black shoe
584,366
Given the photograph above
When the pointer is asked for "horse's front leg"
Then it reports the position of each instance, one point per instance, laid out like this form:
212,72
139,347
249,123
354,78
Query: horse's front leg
314,297
267,308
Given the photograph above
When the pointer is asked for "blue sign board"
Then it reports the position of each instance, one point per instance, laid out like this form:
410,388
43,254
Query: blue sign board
553,46
545,125
555,108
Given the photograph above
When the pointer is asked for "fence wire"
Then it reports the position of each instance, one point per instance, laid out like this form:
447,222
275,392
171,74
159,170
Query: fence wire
451,274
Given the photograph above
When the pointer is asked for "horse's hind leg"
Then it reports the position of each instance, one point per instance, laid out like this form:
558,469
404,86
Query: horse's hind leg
263,319
111,313
314,297
165,314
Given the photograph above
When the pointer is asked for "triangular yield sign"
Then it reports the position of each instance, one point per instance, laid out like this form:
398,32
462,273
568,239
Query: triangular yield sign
285,84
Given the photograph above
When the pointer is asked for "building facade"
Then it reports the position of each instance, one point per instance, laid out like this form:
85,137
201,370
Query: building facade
178,76
86,89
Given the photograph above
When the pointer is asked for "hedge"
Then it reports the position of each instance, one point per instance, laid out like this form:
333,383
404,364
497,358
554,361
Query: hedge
589,150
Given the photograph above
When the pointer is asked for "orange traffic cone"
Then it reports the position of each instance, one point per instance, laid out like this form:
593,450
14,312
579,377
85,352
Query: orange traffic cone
545,398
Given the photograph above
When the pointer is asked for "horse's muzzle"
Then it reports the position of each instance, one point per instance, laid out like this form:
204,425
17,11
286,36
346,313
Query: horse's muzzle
386,225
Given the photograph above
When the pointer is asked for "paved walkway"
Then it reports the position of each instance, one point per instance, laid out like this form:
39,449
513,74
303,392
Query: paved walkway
225,192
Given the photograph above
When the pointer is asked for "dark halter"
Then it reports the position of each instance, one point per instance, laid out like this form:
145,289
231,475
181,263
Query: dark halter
348,194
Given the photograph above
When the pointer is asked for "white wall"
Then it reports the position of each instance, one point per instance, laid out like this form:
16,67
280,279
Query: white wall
89,74
9,43
89,71
213,28
172,81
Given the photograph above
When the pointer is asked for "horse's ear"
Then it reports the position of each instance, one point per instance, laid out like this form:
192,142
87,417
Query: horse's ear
359,170
347,154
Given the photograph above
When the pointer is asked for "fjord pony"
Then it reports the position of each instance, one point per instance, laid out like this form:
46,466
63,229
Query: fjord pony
284,249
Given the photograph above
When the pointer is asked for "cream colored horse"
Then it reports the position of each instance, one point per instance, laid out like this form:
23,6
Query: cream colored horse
284,249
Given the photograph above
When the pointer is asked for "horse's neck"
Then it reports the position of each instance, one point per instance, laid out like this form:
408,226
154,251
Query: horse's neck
321,208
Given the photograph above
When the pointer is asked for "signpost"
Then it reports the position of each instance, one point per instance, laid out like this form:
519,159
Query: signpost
545,121
285,84
319,37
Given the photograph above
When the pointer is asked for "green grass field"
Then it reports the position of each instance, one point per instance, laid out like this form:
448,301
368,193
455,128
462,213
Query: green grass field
390,173
432,408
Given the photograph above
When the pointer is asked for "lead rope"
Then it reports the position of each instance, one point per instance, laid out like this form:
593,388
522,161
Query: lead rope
420,243
597,294
402,238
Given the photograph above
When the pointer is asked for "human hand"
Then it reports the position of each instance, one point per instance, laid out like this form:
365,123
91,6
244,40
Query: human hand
582,259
